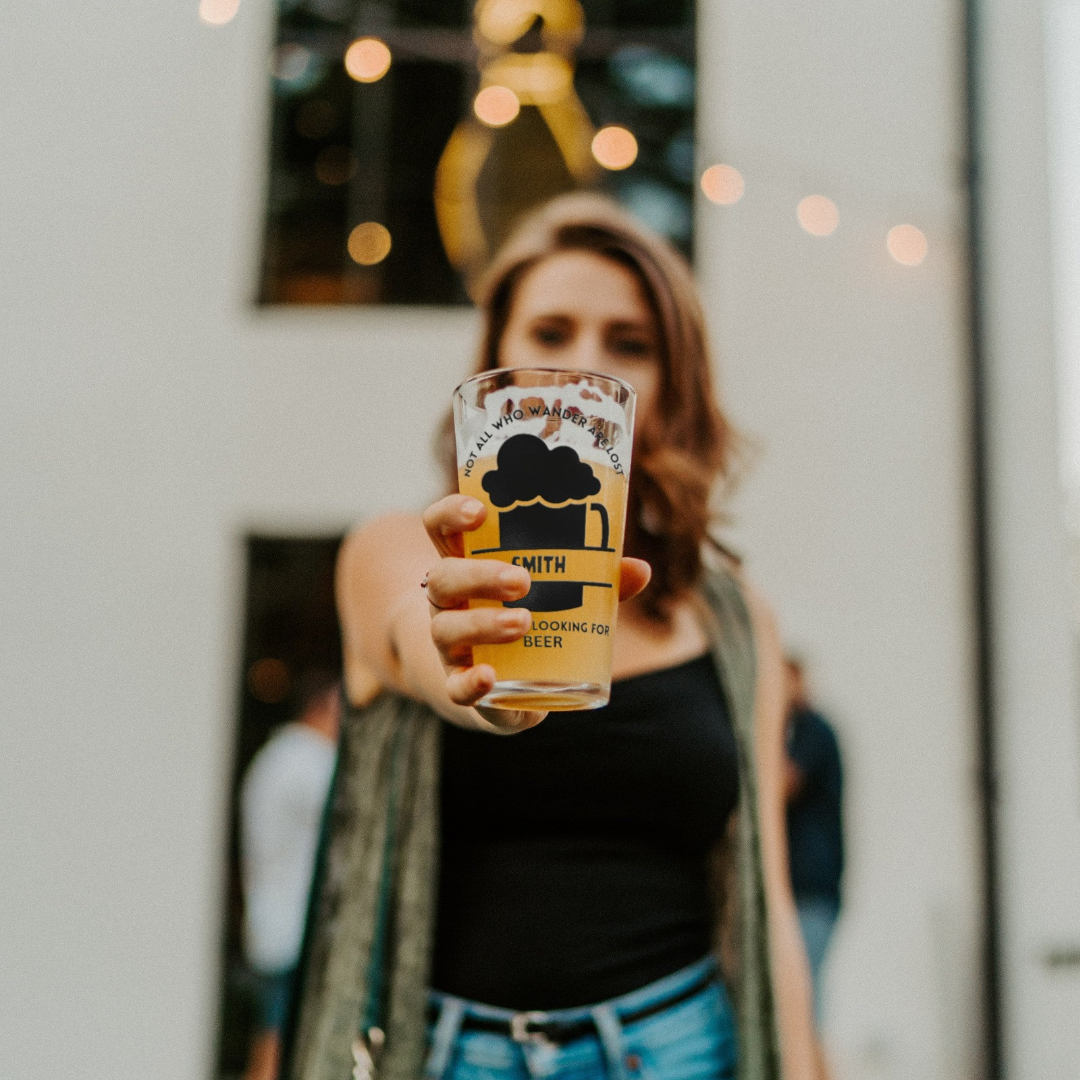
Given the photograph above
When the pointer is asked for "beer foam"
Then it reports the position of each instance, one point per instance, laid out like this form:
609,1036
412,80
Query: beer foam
575,415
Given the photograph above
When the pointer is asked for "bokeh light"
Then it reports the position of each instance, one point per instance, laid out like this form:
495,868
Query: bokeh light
367,59
818,215
218,12
369,243
290,62
496,106
268,680
722,184
615,147
653,79
907,244
335,165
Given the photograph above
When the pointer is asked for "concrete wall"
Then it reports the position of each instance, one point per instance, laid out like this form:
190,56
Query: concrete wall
1062,36
117,634
150,417
1034,624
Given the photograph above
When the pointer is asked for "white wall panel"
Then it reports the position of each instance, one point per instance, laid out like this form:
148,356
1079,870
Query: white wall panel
1035,672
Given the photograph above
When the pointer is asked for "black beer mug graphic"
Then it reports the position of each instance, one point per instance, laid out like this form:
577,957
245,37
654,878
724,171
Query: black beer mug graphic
528,478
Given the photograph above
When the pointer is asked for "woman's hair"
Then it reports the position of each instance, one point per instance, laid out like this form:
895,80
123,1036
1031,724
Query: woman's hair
679,452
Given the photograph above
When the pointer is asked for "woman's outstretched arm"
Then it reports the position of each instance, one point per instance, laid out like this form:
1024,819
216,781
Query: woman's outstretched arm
385,615
791,973
393,626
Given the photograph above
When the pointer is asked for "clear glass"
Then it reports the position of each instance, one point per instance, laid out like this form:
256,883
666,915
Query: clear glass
548,452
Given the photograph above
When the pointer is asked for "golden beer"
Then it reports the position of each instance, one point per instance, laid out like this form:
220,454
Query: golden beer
548,453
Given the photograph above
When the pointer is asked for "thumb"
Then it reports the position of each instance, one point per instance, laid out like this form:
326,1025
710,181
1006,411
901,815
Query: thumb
634,575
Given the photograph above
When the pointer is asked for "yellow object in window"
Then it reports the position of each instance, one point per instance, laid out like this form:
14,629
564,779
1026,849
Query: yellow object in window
510,82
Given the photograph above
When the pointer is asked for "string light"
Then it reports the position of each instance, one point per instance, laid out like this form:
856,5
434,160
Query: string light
369,243
367,59
722,184
818,215
907,244
496,106
218,12
615,147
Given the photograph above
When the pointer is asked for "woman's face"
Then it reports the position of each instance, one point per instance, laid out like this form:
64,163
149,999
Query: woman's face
580,311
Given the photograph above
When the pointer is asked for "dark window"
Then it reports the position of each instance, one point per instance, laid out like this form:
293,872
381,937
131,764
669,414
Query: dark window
290,634
352,210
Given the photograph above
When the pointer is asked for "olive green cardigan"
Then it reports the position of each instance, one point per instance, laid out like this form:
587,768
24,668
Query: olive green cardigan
370,926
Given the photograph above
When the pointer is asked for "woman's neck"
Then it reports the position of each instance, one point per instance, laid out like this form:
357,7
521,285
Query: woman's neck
645,644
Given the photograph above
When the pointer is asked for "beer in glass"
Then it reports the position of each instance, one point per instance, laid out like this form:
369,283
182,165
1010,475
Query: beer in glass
548,453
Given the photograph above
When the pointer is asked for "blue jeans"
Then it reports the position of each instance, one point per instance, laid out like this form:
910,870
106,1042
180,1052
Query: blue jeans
693,1040
817,917
273,993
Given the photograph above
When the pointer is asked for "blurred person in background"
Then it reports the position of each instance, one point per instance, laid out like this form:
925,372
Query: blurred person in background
575,919
814,821
281,807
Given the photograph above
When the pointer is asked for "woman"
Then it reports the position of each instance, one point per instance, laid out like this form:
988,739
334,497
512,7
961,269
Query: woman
574,917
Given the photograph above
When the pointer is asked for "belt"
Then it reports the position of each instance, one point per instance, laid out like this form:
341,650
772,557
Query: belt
538,1027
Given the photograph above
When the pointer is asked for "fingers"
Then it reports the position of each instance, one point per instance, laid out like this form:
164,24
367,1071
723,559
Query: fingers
509,721
634,575
467,685
456,632
453,582
447,519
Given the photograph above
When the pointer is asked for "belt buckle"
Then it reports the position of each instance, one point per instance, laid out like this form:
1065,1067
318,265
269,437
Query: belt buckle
519,1028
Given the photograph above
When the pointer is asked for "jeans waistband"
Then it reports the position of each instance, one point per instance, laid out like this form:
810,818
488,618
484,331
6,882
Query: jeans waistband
604,1015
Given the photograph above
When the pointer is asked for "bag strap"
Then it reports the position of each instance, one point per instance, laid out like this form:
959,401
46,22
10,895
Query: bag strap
732,645
371,1035
350,891
318,879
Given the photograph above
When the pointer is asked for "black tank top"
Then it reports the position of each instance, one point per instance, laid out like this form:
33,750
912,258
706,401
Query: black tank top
574,854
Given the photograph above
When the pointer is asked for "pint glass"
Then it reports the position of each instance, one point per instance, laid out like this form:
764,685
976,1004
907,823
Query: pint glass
548,453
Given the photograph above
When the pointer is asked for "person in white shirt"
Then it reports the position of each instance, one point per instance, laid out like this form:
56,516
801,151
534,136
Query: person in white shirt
282,798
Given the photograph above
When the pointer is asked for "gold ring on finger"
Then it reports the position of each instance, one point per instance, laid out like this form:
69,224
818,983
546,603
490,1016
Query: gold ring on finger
424,585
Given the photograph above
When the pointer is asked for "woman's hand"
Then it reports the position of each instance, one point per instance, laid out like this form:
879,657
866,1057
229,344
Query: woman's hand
455,628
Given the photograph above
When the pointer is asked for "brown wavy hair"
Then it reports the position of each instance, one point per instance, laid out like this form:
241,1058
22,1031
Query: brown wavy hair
682,450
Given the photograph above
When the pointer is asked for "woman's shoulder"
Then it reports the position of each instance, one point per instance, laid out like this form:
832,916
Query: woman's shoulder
721,562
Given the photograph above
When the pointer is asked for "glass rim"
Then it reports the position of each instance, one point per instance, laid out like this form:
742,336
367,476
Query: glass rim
492,373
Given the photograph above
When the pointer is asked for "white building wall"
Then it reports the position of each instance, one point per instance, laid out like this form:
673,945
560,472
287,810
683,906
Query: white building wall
149,417
117,606
1034,625
849,371
1062,37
